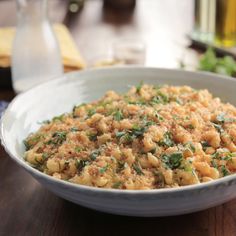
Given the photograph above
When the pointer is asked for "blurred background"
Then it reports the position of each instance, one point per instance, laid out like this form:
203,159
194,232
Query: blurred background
170,34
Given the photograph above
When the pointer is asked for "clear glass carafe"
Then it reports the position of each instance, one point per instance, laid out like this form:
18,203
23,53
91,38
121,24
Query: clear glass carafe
36,55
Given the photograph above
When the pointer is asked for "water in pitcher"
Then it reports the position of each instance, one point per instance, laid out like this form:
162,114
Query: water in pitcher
36,56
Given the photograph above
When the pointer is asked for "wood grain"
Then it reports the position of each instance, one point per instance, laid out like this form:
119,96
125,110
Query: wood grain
27,208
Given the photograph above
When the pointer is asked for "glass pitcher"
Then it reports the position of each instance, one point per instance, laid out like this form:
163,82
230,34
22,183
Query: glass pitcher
36,55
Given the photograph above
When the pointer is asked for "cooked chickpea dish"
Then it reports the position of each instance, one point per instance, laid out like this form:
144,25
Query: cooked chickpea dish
149,138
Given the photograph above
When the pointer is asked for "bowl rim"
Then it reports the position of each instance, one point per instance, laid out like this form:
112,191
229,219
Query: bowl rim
20,161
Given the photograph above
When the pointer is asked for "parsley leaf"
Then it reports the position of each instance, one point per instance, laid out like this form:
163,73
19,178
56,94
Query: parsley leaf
167,140
91,112
94,154
103,169
58,137
117,184
139,86
78,149
209,62
205,145
224,171
172,160
160,98
80,164
118,115
138,169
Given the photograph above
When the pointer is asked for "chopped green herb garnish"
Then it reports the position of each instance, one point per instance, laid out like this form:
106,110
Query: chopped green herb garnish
103,169
227,157
191,126
95,154
74,129
138,169
58,118
120,166
91,112
190,146
159,179
139,102
44,122
205,145
45,156
118,116
120,134
32,141
138,131
167,140
172,160
158,116
78,149
218,128
27,145
160,98
80,164
92,137
214,164
59,137
221,119
139,86
216,155
117,184
78,106
224,170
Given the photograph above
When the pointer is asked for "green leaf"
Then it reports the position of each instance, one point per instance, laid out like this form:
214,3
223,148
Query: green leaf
190,146
159,179
91,112
44,122
118,115
80,164
205,145
120,134
172,160
74,129
117,184
158,116
103,169
95,154
139,86
27,145
58,137
167,140
208,61
58,118
218,128
92,137
160,98
214,164
138,169
220,118
224,171
45,156
78,149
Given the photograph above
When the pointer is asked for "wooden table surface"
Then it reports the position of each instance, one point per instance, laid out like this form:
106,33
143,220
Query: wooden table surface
27,208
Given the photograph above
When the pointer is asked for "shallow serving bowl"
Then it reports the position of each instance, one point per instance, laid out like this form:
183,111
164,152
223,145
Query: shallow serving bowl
60,95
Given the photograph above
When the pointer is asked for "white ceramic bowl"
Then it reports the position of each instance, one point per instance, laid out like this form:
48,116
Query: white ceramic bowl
60,95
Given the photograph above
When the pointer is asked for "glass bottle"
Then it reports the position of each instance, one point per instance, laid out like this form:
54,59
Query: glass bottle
35,54
205,13
226,23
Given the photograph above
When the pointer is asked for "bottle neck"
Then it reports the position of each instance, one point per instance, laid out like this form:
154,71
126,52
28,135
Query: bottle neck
32,10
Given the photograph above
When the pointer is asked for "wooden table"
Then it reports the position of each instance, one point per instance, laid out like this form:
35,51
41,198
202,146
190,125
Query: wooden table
27,208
